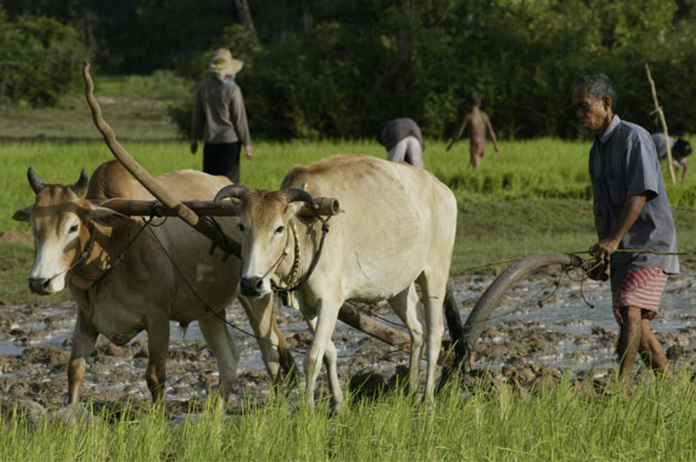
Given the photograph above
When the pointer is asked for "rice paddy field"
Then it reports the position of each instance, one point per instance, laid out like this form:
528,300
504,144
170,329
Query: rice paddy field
533,198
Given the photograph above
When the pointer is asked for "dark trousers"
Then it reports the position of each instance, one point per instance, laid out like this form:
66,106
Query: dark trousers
222,159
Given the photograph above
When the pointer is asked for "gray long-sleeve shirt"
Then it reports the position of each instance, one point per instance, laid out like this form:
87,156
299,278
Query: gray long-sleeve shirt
623,163
219,115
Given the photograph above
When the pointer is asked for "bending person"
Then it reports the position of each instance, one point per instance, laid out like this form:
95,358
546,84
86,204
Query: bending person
681,149
403,140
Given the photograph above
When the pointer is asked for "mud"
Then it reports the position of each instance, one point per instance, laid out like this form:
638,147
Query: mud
526,344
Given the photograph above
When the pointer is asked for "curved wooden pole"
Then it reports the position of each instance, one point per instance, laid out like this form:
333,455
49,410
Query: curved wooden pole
489,301
182,211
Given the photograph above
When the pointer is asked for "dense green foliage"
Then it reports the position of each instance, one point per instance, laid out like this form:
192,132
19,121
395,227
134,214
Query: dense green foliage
39,57
563,422
340,69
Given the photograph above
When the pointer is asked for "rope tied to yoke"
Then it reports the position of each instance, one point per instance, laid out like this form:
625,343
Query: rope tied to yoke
284,292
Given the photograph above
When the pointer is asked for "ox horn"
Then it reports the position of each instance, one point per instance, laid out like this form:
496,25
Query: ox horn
235,191
35,181
80,187
299,195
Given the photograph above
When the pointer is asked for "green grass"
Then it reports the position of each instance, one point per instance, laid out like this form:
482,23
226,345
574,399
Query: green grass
564,422
135,105
495,223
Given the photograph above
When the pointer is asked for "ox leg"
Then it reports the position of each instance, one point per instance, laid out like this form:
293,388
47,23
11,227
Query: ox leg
84,339
158,346
405,305
220,341
261,318
433,292
331,362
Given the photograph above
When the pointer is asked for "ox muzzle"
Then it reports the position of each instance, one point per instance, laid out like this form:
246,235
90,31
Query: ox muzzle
251,286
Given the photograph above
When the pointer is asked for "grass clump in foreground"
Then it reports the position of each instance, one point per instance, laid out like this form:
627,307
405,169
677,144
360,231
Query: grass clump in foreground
564,422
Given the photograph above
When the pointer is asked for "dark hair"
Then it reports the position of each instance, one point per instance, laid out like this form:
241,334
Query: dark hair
474,99
682,147
598,85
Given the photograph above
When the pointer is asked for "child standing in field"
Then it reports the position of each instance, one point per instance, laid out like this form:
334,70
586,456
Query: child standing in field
478,123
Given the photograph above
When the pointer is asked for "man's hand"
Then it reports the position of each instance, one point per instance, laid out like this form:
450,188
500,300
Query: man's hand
449,146
603,249
194,147
247,151
598,272
497,149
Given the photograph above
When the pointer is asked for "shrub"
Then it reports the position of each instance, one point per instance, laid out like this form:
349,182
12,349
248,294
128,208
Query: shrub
40,60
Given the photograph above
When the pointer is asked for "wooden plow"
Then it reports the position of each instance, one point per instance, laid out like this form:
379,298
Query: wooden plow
191,212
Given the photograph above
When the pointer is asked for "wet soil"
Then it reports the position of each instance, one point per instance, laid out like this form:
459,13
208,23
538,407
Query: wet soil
526,344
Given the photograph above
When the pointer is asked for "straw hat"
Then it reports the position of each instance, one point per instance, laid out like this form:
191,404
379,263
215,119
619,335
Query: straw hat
222,64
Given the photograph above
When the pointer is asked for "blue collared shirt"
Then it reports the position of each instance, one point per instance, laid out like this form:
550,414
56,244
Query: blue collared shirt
624,163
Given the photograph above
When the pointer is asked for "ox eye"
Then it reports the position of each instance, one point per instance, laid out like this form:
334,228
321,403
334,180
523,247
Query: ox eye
279,229
240,227
73,229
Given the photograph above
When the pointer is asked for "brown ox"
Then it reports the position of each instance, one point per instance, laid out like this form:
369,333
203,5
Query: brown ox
398,228
145,291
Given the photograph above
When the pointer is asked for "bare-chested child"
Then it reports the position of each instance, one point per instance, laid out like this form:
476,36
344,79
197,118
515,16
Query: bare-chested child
478,123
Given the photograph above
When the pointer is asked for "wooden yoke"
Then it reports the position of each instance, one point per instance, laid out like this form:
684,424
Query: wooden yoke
325,207
205,227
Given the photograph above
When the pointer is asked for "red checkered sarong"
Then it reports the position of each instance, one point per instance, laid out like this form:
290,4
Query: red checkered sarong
640,288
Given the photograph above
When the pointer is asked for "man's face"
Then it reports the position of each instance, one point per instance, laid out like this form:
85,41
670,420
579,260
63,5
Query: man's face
592,113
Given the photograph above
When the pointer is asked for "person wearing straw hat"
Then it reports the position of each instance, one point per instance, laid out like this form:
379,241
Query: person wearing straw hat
219,118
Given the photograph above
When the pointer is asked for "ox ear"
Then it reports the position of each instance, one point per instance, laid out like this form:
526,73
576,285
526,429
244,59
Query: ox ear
22,214
107,217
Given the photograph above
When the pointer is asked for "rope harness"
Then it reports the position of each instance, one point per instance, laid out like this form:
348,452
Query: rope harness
83,256
284,292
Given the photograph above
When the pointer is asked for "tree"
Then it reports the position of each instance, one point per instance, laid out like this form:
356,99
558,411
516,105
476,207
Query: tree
244,15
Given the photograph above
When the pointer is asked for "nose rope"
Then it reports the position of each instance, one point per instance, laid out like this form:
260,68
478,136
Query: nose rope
280,258
284,291
295,262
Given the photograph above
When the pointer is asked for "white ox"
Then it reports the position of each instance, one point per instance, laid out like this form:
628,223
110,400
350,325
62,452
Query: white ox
398,228
145,291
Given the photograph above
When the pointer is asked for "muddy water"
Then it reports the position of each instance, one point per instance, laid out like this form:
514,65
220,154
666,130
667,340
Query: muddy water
522,337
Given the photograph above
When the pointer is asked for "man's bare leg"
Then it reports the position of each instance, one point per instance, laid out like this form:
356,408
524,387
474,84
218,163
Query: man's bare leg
629,339
651,350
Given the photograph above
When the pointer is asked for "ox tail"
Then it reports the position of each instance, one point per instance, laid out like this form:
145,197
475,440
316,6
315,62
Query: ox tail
457,359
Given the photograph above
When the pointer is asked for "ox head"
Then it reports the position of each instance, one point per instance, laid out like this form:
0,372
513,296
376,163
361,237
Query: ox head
59,218
264,218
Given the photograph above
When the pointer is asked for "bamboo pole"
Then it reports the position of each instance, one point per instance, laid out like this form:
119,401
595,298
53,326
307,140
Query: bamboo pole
143,176
659,111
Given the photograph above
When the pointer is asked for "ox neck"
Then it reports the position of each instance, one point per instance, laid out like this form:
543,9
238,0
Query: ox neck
302,243
98,261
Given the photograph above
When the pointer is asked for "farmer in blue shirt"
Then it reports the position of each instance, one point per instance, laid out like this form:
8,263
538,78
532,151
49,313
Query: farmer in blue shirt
631,213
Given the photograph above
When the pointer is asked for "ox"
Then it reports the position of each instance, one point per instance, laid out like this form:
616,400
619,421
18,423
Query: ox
78,244
398,228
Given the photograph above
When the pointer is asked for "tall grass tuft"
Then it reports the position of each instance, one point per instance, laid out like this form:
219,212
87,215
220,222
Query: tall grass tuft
567,421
